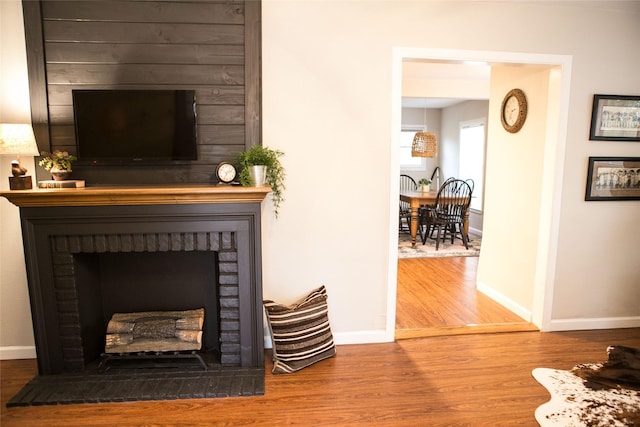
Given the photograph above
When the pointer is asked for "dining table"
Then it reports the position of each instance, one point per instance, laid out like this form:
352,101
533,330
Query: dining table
420,198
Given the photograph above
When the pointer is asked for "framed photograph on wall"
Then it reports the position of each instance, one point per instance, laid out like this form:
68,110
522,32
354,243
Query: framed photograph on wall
613,178
615,118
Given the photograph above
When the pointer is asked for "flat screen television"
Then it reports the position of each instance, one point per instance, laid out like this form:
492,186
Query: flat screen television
135,126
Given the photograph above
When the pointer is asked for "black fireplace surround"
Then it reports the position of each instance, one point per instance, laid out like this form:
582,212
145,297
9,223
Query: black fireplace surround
86,262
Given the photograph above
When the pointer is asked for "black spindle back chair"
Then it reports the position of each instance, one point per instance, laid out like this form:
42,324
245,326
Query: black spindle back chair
451,206
406,184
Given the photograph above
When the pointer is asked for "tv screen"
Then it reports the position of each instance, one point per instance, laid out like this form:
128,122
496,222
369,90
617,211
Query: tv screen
123,126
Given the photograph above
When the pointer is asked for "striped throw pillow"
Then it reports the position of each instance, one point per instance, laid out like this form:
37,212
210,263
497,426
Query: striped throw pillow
300,333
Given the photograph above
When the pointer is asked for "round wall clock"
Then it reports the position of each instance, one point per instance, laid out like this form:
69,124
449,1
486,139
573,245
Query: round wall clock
226,172
513,112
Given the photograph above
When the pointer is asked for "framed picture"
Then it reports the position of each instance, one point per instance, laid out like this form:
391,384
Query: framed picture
613,178
615,118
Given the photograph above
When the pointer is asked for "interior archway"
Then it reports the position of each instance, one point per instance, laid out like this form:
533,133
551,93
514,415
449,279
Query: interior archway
552,151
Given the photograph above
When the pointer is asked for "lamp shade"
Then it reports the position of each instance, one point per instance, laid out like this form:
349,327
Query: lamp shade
424,145
17,139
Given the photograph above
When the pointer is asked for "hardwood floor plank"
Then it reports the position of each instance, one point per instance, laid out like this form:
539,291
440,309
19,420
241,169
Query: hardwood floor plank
478,380
446,379
441,293
483,328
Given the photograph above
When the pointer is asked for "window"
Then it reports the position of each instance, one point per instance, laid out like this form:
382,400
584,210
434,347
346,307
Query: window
406,161
472,147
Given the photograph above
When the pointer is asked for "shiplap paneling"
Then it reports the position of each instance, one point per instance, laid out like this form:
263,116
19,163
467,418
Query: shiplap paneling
212,47
207,95
117,53
143,74
142,32
205,12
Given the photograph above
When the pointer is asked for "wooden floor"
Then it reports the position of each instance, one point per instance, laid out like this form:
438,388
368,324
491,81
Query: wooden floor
438,296
455,380
463,380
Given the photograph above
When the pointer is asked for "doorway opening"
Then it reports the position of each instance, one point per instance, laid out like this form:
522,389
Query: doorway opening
534,306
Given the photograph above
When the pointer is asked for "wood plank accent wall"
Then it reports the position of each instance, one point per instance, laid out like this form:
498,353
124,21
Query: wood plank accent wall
212,47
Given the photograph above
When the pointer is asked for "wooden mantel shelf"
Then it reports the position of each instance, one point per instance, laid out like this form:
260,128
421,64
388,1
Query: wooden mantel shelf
136,195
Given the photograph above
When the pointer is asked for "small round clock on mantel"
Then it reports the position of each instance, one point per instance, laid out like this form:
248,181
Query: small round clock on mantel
513,112
226,172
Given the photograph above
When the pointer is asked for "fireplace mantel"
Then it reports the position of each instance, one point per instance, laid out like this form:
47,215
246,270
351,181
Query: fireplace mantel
136,195
63,229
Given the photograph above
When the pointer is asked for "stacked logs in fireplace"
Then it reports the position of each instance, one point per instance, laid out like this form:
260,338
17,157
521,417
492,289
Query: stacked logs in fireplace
157,331
139,337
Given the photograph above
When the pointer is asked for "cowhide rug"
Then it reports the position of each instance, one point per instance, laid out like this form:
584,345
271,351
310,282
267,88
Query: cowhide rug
592,395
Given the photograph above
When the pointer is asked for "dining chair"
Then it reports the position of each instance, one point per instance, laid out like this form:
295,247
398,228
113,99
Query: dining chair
406,184
452,202
471,183
423,228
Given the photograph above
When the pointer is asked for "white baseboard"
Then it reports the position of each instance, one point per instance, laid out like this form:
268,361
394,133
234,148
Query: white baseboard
344,338
17,352
475,231
363,337
593,323
505,302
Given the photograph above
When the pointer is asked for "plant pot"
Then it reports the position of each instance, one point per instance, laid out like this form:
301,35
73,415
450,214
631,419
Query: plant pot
425,188
59,175
258,175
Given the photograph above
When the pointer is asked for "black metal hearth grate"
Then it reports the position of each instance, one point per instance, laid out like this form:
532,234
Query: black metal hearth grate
141,384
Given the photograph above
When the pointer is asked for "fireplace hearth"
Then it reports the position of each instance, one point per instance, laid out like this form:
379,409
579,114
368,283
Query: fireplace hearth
94,252
140,384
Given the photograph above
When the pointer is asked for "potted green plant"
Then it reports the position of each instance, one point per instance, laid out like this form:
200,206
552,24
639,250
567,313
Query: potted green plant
424,185
58,163
261,165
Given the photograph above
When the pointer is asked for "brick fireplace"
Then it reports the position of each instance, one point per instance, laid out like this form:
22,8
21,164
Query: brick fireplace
96,251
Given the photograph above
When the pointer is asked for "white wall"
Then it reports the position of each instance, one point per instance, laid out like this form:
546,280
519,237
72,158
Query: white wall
327,80
16,335
513,189
450,130
326,66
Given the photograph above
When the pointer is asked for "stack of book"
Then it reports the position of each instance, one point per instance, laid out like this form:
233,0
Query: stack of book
67,183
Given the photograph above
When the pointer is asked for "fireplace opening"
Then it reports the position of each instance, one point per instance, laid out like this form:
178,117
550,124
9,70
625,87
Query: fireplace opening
126,282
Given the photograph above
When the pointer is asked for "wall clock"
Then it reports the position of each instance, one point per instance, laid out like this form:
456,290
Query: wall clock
513,112
226,172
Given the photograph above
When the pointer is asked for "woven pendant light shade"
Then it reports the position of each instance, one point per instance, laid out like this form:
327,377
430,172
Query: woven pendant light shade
424,145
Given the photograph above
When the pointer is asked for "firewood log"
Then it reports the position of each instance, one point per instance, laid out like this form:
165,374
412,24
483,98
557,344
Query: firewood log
155,331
